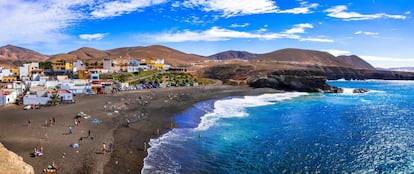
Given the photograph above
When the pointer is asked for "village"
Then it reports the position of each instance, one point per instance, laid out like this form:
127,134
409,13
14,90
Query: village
38,84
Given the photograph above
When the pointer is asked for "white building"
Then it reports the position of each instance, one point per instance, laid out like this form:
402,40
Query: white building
64,95
19,86
5,73
25,70
133,68
76,86
36,95
94,75
7,96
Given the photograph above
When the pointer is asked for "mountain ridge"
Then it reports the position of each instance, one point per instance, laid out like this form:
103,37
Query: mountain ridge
176,57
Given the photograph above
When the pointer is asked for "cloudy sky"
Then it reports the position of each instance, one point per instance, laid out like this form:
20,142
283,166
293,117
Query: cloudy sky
380,31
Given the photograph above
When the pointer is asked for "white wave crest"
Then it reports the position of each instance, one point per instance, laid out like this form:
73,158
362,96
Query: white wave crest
236,107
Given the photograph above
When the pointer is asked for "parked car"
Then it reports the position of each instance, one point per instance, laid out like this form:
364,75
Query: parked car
27,107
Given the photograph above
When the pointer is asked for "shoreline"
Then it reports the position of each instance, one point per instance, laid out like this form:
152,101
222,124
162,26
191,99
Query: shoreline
149,112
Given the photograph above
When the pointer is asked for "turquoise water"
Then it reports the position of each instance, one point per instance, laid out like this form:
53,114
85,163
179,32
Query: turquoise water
294,133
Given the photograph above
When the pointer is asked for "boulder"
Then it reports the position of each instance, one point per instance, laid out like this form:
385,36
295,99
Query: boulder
11,163
360,90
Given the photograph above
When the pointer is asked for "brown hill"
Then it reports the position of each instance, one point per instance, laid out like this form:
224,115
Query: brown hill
356,62
300,56
84,53
171,56
227,55
11,55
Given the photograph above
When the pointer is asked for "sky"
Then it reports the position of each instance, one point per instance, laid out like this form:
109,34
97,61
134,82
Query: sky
379,31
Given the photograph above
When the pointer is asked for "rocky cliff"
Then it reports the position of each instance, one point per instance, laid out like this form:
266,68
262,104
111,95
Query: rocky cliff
288,80
334,73
10,163
294,80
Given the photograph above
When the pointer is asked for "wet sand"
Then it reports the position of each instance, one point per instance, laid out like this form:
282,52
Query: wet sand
149,113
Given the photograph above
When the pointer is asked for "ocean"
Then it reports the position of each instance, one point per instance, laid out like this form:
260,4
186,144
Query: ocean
294,132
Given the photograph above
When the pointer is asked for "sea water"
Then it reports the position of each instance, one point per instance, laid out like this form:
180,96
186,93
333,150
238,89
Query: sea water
294,133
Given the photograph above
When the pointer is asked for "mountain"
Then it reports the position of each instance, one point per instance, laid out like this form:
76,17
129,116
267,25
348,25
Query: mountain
300,56
171,56
226,55
11,55
84,53
356,62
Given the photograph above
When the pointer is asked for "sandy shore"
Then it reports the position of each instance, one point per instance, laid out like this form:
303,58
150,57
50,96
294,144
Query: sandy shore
149,112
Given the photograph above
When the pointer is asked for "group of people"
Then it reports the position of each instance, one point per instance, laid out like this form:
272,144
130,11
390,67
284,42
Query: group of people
51,168
107,149
38,152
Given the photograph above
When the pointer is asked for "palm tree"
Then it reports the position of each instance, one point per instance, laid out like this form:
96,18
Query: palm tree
55,99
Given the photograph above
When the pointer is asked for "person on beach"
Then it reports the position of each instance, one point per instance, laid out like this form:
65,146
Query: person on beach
54,120
29,122
110,147
104,147
51,168
89,133
76,122
70,130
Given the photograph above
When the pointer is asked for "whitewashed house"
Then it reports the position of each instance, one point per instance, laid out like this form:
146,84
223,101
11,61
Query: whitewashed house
65,96
76,86
7,96
5,73
36,96
19,86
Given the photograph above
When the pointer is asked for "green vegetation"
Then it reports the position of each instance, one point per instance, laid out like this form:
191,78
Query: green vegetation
165,79
55,99
45,65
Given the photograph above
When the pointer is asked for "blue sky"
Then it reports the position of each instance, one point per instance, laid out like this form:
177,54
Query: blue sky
380,31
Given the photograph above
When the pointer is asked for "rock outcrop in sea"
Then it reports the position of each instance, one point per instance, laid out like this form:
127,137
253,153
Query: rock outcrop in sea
11,163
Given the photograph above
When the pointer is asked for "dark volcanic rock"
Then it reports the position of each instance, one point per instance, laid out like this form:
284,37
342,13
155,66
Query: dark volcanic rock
334,73
295,80
360,90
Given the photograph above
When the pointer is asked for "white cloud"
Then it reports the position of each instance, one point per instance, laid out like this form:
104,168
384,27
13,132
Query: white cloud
90,37
299,28
340,12
316,39
366,33
304,9
117,8
338,52
45,21
388,62
230,8
221,34
239,25
28,22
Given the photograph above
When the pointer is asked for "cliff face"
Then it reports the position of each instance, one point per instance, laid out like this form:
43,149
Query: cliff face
334,73
294,80
10,163
288,80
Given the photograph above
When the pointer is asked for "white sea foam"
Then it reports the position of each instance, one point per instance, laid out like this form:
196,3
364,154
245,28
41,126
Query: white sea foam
348,91
169,165
236,107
